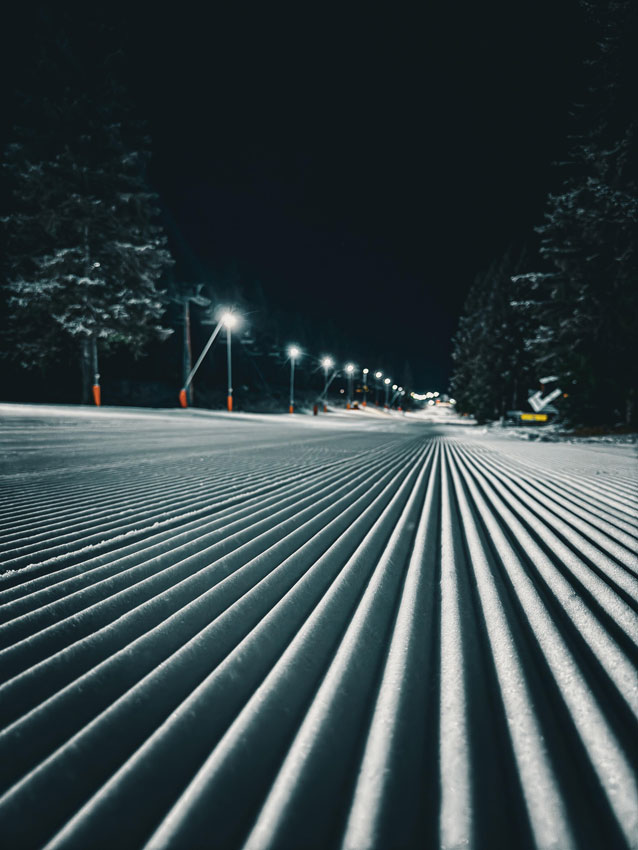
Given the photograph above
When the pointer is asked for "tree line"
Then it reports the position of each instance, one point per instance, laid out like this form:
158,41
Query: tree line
565,303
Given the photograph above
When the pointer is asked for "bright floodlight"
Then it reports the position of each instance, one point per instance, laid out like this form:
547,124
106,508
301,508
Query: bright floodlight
387,380
365,371
378,374
349,368
229,319
294,352
327,362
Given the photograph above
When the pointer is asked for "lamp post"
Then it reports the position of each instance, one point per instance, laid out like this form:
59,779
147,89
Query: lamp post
387,383
293,353
378,376
365,387
183,400
349,373
327,363
230,321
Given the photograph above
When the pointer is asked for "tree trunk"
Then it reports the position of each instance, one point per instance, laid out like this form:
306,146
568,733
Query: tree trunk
94,363
85,362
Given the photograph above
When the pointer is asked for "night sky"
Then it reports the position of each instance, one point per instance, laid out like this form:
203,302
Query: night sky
362,166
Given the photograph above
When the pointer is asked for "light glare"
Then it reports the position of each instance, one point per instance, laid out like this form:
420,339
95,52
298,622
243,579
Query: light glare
229,319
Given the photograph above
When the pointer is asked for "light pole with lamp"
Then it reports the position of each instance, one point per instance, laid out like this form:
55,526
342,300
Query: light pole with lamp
378,376
293,353
230,321
349,373
327,363
387,383
365,387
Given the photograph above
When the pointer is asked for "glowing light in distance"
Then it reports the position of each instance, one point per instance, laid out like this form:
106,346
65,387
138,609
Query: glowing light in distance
436,395
378,374
349,368
387,380
365,371
394,387
229,319
294,352
327,362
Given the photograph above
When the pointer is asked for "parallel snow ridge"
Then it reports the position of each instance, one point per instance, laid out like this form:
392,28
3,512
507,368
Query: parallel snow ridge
392,642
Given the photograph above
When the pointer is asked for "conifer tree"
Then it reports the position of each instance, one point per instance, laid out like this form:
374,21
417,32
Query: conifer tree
584,295
84,250
491,365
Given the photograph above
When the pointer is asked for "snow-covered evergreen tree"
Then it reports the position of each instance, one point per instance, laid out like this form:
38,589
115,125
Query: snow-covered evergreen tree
84,250
584,293
491,368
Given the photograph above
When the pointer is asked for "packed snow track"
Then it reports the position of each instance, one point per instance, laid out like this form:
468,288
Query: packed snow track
282,633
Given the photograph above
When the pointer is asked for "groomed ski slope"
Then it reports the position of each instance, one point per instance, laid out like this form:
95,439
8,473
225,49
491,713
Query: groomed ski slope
351,631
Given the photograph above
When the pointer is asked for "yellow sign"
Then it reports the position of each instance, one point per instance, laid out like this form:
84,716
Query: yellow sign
534,417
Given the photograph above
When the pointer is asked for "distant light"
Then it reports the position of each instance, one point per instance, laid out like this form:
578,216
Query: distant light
435,395
365,371
394,387
349,368
229,319
452,401
430,402
400,389
327,362
96,265
378,374
294,352
387,380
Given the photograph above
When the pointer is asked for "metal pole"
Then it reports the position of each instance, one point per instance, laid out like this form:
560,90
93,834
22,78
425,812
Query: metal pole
187,353
230,375
292,385
324,394
97,393
211,340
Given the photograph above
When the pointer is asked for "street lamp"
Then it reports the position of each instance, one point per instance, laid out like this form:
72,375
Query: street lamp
293,353
365,387
378,376
387,383
349,373
229,321
327,363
